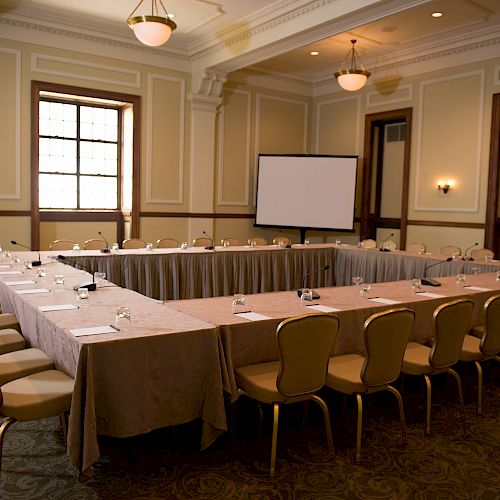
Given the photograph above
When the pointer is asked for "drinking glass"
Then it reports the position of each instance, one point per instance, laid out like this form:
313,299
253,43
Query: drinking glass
122,319
82,294
226,243
498,276
361,244
41,273
184,245
306,242
365,289
416,284
456,255
149,247
239,303
253,243
76,247
28,265
99,279
357,280
488,258
115,247
307,295
58,282
475,270
337,242
460,280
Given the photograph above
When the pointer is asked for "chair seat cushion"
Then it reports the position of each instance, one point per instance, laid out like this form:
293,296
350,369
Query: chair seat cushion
344,373
21,363
8,320
416,359
39,395
259,381
470,349
11,340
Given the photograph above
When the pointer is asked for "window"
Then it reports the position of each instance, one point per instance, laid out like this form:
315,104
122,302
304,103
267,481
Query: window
78,154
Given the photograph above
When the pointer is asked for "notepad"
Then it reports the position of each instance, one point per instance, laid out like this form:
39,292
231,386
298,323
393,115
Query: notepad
4,266
252,316
20,282
478,288
10,273
321,308
57,307
431,295
384,301
32,290
93,330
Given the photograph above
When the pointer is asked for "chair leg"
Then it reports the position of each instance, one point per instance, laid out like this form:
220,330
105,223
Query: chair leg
359,428
479,387
274,444
3,428
428,393
460,393
328,425
261,419
401,412
64,426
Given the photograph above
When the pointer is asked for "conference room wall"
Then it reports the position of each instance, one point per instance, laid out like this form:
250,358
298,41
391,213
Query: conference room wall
76,231
155,228
14,228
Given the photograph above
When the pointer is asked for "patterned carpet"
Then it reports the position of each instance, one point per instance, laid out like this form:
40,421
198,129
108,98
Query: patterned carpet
454,462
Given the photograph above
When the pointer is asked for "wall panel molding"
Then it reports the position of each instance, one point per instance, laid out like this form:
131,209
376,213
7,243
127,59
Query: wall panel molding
401,93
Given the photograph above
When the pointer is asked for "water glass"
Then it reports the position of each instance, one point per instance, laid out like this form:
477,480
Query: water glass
239,303
149,247
28,264
82,294
337,242
456,255
76,247
99,279
365,289
253,243
306,242
460,280
115,247
307,295
226,243
498,276
357,280
122,319
475,270
281,244
184,245
41,273
416,284
488,259
58,282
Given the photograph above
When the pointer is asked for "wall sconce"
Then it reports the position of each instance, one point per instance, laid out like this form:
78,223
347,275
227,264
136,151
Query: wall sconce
445,186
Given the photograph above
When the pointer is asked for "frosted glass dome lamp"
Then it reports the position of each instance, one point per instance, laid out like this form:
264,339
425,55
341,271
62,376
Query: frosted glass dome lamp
152,29
354,77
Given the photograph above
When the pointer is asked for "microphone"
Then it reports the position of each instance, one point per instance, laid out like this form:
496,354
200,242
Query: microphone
34,263
89,286
468,257
315,295
382,248
430,281
104,250
210,247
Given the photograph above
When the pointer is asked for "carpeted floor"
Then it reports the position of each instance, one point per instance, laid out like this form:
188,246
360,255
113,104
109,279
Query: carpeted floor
454,462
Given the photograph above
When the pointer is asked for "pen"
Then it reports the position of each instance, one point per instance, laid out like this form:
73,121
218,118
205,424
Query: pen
242,312
114,327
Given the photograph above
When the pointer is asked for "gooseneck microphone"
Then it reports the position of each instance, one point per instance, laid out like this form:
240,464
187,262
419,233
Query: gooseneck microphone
104,250
382,247
467,250
90,286
315,295
34,263
430,281
210,247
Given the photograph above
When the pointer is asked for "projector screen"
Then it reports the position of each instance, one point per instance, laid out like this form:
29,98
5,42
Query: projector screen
308,192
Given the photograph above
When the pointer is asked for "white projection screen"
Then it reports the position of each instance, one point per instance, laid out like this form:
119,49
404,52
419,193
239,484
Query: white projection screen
306,191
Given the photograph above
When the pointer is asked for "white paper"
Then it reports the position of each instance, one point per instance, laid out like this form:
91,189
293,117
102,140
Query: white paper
478,288
32,290
4,266
93,330
10,273
321,308
252,316
21,282
384,301
431,295
57,307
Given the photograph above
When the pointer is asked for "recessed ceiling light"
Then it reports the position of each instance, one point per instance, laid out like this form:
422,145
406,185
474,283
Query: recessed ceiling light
314,53
437,14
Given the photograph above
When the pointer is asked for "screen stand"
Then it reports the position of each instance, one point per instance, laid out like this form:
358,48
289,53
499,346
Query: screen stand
302,235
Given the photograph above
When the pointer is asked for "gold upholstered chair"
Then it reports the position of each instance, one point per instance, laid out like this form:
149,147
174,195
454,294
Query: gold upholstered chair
369,243
62,245
39,395
389,245
451,322
167,243
133,243
259,242
283,240
416,248
94,244
450,251
232,242
386,335
203,242
483,343
482,253
10,336
23,362
304,344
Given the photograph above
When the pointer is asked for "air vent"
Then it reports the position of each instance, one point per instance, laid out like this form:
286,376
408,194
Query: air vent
395,132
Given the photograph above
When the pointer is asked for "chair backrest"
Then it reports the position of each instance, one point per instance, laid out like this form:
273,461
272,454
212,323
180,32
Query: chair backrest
386,335
390,245
451,323
260,242
203,242
416,248
481,253
167,243
134,243
62,245
490,342
232,242
94,244
450,250
305,344
369,243
283,239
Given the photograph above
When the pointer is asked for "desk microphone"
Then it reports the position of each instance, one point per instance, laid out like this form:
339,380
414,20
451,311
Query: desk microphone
382,248
315,295
210,247
34,263
468,257
430,281
104,250
89,286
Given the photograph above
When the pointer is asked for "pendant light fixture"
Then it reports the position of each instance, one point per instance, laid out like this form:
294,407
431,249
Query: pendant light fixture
152,29
354,77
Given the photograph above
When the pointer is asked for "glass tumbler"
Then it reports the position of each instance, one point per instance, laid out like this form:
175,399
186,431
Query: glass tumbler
239,303
122,319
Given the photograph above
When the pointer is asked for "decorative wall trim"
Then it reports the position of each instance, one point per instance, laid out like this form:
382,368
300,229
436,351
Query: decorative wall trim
220,199
458,76
496,75
370,97
149,153
16,195
15,213
442,223
38,58
196,215
81,216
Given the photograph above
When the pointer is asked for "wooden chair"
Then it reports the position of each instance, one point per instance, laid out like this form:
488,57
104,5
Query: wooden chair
232,242
482,254
451,322
62,245
416,248
304,345
450,251
386,335
203,242
167,243
259,242
94,244
133,243
369,243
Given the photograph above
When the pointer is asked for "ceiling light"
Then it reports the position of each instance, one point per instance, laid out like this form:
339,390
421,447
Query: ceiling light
354,77
436,14
314,53
152,29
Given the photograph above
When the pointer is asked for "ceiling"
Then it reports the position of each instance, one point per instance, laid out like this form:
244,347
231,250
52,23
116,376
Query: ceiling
199,21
